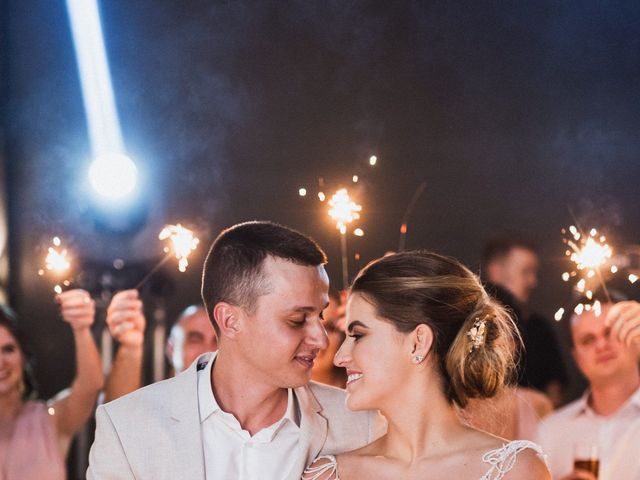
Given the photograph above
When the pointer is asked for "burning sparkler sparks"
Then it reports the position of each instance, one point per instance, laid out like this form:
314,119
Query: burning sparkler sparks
182,242
589,253
343,210
57,262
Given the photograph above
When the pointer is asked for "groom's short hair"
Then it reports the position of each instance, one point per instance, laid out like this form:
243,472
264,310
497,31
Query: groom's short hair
233,268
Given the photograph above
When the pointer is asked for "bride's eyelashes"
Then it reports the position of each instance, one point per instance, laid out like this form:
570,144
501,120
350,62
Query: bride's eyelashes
356,336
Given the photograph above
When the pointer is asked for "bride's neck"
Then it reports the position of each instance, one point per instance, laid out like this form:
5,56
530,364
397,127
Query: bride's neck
420,421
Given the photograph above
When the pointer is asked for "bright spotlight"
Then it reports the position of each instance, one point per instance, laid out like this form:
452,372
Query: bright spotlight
113,176
95,79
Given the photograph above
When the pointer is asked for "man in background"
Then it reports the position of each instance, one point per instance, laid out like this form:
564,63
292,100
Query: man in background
191,336
324,370
510,266
606,348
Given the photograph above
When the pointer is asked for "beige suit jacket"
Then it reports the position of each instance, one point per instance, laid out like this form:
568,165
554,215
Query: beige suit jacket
154,433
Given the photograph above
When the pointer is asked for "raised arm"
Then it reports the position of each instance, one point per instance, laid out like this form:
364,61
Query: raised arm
126,323
71,412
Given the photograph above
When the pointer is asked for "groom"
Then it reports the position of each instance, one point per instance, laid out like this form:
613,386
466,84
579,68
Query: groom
247,411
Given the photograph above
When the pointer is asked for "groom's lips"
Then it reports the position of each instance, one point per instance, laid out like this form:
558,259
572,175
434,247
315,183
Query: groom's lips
306,360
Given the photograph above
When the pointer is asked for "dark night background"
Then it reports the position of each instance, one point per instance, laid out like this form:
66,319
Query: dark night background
512,112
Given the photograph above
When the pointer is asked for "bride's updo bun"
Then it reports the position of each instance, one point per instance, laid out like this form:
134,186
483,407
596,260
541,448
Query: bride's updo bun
474,337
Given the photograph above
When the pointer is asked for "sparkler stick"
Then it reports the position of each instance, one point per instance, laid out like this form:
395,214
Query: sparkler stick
153,270
343,211
405,218
181,243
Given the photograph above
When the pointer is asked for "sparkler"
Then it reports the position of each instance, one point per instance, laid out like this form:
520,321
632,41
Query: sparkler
182,242
343,211
589,253
58,263
405,218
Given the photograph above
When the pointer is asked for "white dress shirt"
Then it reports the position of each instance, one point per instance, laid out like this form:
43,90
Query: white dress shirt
617,437
231,452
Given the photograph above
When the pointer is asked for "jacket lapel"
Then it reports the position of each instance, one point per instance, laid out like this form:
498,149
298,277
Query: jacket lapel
185,424
313,431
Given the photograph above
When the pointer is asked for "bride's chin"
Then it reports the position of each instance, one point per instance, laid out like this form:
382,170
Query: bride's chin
355,404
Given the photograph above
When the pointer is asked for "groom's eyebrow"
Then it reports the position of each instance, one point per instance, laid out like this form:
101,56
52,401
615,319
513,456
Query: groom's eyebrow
354,324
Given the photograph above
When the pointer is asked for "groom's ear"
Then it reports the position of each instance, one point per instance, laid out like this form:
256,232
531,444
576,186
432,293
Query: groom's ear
228,318
422,337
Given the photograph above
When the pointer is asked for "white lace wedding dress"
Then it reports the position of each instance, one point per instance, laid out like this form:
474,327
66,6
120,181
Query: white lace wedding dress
501,461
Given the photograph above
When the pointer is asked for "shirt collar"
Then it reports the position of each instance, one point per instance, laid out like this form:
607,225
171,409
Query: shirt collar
583,407
206,400
208,405
582,404
635,399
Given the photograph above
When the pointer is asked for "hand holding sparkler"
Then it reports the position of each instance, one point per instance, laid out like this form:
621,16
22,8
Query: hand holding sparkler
77,308
624,320
125,318
182,242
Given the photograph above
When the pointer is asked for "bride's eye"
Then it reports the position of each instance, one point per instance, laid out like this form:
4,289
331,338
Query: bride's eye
356,336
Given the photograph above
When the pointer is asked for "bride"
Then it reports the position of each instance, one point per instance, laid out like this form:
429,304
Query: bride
424,338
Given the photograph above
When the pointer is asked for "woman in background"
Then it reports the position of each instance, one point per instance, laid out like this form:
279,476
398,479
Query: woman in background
324,371
35,436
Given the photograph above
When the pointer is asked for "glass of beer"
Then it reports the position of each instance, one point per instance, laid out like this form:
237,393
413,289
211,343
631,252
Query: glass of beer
586,457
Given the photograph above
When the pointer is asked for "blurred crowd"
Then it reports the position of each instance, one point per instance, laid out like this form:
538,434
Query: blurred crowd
35,433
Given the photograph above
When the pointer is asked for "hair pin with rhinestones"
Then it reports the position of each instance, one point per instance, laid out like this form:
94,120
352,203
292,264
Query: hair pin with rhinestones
477,333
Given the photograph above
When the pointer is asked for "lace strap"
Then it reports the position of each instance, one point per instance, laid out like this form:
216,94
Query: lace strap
325,467
502,460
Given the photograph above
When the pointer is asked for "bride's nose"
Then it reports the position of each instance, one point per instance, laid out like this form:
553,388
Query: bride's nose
343,355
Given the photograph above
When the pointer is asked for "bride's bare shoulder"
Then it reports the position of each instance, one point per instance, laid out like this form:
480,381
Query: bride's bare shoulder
529,466
343,466
519,459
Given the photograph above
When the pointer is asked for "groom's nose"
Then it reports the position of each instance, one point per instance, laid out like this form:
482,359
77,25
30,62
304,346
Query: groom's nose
317,335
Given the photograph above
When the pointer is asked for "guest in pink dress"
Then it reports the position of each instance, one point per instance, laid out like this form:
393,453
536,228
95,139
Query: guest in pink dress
35,436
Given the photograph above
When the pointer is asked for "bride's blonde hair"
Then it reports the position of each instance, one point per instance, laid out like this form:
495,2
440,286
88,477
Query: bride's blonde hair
474,337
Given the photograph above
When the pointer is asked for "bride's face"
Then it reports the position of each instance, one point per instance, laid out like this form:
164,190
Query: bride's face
375,355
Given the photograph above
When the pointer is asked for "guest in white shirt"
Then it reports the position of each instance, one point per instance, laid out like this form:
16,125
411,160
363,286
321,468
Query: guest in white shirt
247,411
606,350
